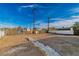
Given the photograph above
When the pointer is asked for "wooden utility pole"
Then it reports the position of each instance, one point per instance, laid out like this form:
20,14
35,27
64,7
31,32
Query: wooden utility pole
48,25
33,11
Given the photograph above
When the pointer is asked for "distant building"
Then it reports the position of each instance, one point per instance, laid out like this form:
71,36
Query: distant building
19,30
13,31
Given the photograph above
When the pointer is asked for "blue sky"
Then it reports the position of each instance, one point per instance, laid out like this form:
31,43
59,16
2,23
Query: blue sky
62,14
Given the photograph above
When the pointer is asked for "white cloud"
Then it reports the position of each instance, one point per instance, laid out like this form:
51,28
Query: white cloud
75,17
31,6
7,25
56,19
61,23
27,6
74,10
66,22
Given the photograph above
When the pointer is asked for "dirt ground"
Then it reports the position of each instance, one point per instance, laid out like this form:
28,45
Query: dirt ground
38,36
12,40
25,49
13,44
18,45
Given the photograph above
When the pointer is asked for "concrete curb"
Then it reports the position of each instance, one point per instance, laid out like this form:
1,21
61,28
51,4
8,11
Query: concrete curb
48,50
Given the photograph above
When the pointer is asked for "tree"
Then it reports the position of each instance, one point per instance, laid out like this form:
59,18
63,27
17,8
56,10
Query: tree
76,28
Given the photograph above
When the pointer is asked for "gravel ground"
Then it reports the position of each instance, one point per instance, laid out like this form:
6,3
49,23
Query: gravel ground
64,45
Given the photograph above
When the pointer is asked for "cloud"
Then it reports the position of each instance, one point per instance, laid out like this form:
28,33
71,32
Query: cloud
75,17
26,6
7,25
61,22
74,10
31,6
66,22
56,19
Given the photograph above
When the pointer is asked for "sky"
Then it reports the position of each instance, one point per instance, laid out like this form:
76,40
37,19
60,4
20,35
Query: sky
20,14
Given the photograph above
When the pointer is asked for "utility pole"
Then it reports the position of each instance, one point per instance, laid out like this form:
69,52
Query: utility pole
48,25
33,12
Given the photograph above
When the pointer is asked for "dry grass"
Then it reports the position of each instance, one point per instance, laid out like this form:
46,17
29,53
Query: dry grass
12,40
